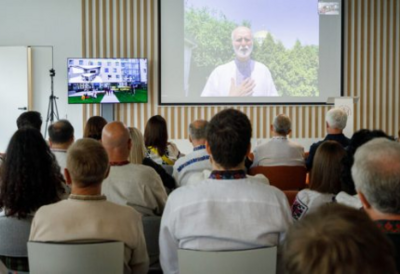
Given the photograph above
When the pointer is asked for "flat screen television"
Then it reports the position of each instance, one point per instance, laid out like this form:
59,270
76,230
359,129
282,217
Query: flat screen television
107,80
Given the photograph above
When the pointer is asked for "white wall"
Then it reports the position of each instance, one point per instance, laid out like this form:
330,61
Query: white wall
54,23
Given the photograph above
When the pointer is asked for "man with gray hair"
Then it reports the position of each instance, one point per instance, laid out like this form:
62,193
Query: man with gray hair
242,76
87,216
336,120
376,174
279,151
198,160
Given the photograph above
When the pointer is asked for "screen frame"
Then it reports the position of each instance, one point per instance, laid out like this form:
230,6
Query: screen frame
341,73
111,58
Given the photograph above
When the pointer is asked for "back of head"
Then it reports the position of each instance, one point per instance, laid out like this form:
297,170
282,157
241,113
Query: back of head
30,119
228,136
376,174
156,134
30,176
327,168
282,124
94,126
337,239
336,118
198,129
61,132
87,162
138,150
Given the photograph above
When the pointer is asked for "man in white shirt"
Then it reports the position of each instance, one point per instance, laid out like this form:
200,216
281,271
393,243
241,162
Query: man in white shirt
196,161
138,186
242,76
229,210
279,151
61,137
87,216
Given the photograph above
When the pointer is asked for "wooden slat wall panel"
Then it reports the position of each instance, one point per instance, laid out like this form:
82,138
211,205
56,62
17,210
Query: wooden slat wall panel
129,28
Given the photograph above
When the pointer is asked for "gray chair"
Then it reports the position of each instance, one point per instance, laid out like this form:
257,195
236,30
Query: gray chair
151,229
66,258
254,261
14,234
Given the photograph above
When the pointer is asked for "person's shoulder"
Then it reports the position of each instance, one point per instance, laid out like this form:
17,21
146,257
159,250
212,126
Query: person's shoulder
122,210
46,210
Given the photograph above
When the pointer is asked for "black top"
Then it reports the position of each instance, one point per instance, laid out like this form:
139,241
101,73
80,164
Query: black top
340,138
392,230
168,180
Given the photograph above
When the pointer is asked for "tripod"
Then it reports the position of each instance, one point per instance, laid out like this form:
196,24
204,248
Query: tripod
52,110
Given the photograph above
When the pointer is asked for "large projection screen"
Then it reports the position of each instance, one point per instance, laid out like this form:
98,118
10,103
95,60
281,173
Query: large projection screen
250,51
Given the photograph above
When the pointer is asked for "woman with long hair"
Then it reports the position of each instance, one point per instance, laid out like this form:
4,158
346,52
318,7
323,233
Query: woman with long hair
325,179
156,140
138,156
94,127
29,178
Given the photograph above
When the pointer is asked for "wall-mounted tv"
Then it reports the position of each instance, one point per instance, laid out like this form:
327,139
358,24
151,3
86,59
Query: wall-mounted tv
107,80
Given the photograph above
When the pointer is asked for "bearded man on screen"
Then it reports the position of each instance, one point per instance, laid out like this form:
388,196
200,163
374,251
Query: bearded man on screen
242,76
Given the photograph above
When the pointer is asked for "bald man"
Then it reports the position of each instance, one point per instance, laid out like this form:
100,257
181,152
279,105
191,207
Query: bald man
196,161
242,76
138,186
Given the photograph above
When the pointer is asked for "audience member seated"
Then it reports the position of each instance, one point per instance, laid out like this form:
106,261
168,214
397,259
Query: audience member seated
61,136
279,151
138,156
358,139
138,186
324,180
196,161
87,215
228,211
376,174
156,140
29,178
94,126
336,120
337,239
30,119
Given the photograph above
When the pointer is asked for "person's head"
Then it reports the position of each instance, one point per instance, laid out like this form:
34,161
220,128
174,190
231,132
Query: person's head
359,138
336,119
138,150
61,133
30,119
94,127
337,239
228,138
156,134
29,176
282,125
115,139
198,132
87,163
327,168
242,42
376,174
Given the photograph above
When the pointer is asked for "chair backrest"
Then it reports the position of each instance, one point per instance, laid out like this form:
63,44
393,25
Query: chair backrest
291,195
254,261
283,177
88,258
151,229
14,234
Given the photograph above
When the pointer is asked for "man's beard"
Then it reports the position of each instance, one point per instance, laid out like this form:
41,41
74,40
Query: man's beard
243,52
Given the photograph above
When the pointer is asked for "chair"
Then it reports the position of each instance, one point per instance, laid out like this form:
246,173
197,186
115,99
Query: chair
151,230
254,261
283,177
14,234
65,258
291,195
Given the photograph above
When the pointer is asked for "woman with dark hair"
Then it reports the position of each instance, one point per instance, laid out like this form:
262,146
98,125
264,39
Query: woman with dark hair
29,178
325,181
94,127
156,140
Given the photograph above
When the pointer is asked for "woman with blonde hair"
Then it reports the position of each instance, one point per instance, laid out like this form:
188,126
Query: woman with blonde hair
138,156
